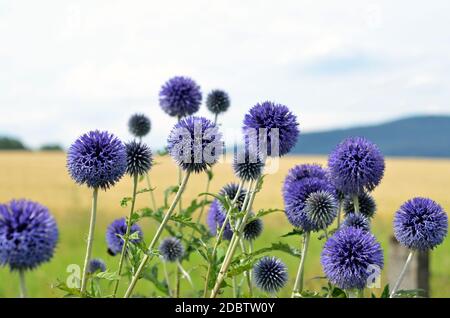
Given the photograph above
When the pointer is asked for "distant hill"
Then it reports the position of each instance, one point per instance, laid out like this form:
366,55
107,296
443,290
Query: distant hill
8,143
421,136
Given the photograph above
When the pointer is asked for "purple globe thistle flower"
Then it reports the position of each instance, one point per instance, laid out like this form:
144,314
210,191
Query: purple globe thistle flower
304,171
180,96
139,125
216,217
195,143
420,224
280,125
96,265
358,221
253,229
28,234
139,158
367,205
356,165
295,197
97,159
217,101
115,232
321,209
171,249
270,274
350,256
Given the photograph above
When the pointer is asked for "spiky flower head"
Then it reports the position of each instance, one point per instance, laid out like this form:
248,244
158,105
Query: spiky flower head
304,171
97,159
139,125
253,229
358,221
420,224
367,205
270,274
28,234
115,232
295,197
321,209
139,158
96,265
350,256
180,96
217,101
230,190
246,166
171,249
356,165
278,125
216,218
195,144
217,213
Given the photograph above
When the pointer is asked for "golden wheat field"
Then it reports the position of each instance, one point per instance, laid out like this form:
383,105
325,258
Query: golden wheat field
42,177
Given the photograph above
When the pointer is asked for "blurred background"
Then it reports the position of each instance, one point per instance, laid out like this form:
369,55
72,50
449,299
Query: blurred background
379,69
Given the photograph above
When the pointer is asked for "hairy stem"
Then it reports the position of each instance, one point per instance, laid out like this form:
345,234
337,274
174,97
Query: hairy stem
157,235
126,238
220,235
90,240
234,243
152,195
22,285
298,285
356,203
402,274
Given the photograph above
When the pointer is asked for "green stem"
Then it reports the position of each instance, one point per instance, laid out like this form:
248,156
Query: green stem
247,273
166,275
402,274
157,235
127,235
339,214
356,203
298,285
90,240
23,287
219,237
233,244
152,195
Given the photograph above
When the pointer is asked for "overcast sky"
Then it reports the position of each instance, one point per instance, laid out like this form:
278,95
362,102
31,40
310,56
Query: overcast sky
70,66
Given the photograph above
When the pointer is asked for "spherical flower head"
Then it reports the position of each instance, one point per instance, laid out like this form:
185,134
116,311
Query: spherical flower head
358,221
247,167
367,205
295,197
350,256
230,190
115,232
217,101
180,96
420,224
321,209
270,274
216,217
304,171
195,144
96,265
356,165
253,229
28,234
139,125
139,158
171,249
97,159
277,124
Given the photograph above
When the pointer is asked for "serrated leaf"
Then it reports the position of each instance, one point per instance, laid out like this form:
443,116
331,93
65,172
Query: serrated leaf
107,275
145,190
124,201
385,293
